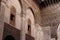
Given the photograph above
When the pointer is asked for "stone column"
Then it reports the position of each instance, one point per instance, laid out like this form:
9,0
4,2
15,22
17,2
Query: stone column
23,28
1,21
18,21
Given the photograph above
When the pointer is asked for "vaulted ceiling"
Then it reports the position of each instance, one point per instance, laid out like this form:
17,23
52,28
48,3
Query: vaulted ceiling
45,3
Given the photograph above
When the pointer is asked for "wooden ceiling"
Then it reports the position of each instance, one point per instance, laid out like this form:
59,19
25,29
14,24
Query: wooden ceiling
44,3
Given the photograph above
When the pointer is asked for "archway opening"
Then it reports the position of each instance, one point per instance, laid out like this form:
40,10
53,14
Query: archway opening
29,27
9,37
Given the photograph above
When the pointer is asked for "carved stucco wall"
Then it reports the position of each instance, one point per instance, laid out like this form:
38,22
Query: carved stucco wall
8,4
51,17
36,10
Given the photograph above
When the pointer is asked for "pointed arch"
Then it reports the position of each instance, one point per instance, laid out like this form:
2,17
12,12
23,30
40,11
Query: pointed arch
32,11
21,7
30,22
12,15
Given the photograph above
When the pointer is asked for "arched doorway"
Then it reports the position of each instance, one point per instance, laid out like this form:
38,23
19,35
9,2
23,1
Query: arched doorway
9,37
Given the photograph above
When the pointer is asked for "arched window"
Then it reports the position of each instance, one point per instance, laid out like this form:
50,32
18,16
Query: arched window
30,18
29,27
9,37
12,16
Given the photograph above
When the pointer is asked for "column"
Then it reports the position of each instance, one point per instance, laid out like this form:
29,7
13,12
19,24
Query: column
1,21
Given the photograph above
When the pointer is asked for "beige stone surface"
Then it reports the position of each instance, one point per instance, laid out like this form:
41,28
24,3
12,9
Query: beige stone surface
46,32
30,16
1,21
58,32
39,33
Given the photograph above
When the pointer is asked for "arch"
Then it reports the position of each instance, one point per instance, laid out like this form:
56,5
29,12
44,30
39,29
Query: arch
17,5
31,10
9,37
20,3
30,18
13,10
12,15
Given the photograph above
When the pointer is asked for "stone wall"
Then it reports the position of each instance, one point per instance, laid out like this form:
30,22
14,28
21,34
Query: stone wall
46,32
22,15
39,32
33,16
35,8
8,4
51,17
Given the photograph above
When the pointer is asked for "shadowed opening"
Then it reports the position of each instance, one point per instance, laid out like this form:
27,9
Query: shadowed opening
9,37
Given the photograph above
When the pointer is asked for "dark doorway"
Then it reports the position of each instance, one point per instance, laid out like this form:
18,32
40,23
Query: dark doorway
9,37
